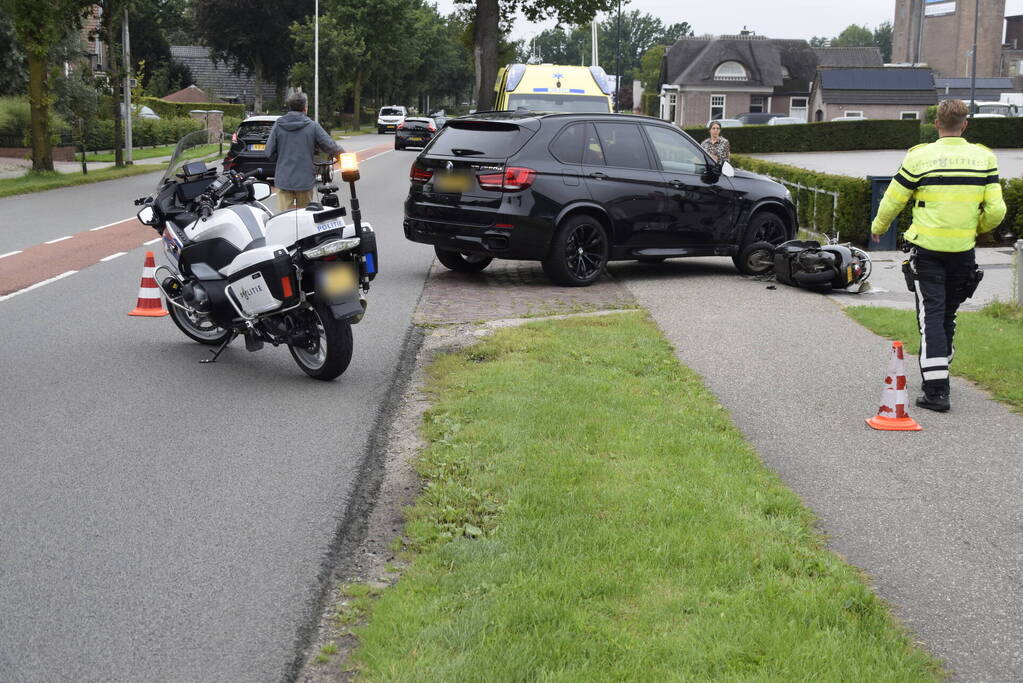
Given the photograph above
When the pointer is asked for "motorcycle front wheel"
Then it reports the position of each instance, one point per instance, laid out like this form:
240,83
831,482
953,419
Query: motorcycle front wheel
202,331
328,350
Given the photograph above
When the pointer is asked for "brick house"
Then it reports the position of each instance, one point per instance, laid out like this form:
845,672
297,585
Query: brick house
218,79
711,78
877,93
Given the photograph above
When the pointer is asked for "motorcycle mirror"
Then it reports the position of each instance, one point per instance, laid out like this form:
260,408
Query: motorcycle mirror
146,216
260,191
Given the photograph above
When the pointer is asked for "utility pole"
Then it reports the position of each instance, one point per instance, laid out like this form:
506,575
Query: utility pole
594,61
618,59
973,67
316,62
128,77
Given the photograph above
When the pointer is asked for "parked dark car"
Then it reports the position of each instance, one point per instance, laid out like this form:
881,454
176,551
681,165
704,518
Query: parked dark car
248,147
577,190
757,117
414,132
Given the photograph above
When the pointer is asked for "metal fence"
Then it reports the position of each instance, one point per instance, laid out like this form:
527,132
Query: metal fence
812,206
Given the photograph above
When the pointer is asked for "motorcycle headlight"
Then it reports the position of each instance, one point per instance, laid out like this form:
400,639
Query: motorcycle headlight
331,247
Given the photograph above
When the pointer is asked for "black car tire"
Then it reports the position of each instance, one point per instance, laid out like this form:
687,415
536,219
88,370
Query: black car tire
578,252
397,146
380,131
765,226
756,259
462,262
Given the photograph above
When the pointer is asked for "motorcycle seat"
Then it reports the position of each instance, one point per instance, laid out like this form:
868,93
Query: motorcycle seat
255,244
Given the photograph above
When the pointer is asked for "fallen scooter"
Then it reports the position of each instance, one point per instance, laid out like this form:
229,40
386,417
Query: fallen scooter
808,264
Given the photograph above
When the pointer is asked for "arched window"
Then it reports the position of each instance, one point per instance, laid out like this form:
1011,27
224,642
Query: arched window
730,71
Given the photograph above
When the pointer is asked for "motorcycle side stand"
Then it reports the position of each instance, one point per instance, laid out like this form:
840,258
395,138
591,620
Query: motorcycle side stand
220,349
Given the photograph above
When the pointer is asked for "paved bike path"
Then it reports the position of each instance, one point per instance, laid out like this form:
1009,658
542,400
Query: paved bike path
933,517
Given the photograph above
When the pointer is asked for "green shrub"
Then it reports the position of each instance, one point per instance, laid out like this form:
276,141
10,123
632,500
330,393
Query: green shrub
932,113
16,122
231,124
144,132
820,137
928,132
166,109
1007,132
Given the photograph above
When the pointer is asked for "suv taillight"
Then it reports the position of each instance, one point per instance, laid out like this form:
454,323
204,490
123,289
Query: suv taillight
512,179
401,125
432,129
419,175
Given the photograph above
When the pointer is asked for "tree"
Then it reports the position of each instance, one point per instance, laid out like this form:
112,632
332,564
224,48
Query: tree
819,41
854,36
39,27
649,72
248,34
883,40
13,73
486,22
640,32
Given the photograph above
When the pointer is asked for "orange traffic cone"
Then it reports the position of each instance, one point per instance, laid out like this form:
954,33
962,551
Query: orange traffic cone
892,415
149,303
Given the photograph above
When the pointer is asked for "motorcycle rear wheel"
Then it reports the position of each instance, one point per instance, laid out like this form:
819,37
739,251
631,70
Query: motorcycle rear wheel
202,331
329,352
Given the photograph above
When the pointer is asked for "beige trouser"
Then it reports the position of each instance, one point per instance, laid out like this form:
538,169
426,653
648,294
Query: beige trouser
293,199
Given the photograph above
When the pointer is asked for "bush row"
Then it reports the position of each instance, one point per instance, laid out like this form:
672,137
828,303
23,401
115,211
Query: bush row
820,137
167,109
144,132
852,218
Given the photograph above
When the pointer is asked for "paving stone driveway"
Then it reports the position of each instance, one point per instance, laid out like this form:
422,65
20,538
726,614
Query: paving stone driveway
510,289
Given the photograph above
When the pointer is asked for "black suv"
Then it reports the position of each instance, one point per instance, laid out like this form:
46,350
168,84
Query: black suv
577,190
248,147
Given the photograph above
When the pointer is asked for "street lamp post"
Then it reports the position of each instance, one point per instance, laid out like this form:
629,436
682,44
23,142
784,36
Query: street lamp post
618,60
316,62
973,67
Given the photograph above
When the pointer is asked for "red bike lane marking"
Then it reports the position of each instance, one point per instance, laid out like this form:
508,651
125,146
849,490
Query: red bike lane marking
81,250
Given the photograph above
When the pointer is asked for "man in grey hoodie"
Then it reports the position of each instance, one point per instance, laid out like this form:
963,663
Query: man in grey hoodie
295,138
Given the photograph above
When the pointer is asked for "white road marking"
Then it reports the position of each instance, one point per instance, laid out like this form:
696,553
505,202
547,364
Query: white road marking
112,256
152,241
59,239
5,297
109,225
377,155
10,253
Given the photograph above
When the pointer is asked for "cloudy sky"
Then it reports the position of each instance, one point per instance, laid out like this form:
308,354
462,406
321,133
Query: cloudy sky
775,19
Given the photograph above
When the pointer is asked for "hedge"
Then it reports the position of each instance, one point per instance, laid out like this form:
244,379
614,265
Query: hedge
166,109
852,219
144,132
827,136
1007,132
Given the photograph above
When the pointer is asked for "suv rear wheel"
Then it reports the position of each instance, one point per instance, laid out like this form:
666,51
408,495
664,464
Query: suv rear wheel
462,262
578,252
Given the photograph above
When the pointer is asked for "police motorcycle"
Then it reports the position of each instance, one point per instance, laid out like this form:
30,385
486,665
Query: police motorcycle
810,265
297,278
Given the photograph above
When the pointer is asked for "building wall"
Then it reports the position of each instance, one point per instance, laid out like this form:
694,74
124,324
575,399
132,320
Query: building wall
871,111
947,40
696,105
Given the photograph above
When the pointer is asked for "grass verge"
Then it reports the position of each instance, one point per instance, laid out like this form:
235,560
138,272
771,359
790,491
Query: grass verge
155,152
590,513
989,344
46,180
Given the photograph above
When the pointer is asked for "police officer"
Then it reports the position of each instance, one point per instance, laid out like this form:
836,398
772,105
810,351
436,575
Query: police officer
956,195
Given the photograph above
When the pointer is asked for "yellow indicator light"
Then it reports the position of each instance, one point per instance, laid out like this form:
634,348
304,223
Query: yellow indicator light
349,162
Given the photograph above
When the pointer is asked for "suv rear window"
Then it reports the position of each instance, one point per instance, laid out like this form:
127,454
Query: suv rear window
492,139
255,129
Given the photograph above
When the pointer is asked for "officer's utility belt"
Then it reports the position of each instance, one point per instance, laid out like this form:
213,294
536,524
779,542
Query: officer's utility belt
969,286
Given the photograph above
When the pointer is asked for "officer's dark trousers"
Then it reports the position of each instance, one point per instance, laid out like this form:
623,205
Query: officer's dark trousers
942,281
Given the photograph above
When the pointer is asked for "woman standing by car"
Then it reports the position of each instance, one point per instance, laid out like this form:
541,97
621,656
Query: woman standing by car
716,145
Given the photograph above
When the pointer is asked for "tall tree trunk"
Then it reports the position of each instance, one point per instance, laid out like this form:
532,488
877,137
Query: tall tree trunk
486,34
42,154
117,85
257,76
357,98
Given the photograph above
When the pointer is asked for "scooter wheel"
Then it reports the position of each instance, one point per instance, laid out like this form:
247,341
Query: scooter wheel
756,259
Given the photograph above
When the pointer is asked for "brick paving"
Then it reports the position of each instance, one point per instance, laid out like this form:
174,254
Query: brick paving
510,289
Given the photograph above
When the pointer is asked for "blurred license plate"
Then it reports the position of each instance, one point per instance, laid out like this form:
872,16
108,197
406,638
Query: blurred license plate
453,182
257,148
416,139
339,279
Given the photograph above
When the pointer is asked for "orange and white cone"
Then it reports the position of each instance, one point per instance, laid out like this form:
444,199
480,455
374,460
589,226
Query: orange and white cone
892,415
149,303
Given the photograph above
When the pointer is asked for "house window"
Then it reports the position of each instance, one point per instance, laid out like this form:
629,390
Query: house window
854,113
717,107
909,115
730,71
797,107
672,106
756,104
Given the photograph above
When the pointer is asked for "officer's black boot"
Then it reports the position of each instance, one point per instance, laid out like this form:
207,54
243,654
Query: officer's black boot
935,397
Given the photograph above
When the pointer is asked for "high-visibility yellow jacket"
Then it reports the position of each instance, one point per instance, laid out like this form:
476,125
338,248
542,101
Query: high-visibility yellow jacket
954,186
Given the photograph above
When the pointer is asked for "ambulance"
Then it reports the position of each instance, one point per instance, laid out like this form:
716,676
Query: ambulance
553,88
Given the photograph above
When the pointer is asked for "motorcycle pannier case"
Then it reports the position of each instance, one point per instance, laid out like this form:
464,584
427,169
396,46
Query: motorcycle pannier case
263,280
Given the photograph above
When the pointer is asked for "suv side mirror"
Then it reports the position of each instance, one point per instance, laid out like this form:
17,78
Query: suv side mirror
727,170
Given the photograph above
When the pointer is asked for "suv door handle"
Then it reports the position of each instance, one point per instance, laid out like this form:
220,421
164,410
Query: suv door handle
598,175
677,184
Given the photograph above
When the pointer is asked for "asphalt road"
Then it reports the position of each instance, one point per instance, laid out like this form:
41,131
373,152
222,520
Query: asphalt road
162,519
